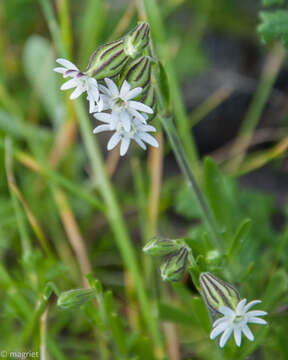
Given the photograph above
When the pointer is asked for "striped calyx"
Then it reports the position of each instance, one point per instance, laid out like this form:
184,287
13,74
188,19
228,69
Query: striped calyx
138,73
150,98
217,293
75,298
108,60
174,266
137,39
160,247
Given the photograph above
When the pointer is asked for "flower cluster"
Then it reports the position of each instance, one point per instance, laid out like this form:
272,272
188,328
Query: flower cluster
124,104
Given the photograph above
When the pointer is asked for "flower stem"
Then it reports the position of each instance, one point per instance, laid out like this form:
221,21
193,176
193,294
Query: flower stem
185,168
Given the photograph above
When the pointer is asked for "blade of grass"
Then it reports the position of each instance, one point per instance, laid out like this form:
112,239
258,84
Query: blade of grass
270,71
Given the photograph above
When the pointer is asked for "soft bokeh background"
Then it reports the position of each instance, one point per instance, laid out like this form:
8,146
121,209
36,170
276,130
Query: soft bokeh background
58,221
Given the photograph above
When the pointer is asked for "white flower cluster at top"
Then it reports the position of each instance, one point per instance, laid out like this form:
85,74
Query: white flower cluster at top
110,103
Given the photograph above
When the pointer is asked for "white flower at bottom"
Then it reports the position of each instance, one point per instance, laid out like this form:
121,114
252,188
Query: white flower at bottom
81,82
138,132
236,321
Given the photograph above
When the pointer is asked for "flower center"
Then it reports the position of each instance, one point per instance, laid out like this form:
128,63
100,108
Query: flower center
238,319
119,103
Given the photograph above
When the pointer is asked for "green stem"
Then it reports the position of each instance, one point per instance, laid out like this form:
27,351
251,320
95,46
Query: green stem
185,168
152,11
116,221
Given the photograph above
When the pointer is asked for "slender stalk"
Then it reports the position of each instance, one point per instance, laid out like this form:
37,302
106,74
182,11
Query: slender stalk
150,9
117,224
185,168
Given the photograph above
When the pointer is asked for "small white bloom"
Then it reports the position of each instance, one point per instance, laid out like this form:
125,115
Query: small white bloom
138,132
123,108
236,321
81,82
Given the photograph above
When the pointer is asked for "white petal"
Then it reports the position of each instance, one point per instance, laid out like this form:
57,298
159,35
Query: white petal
240,307
252,303
114,140
60,70
101,128
112,87
67,64
69,84
149,139
219,321
77,92
104,117
219,329
124,146
146,128
124,89
140,142
133,93
227,333
247,332
137,115
255,320
137,105
104,90
237,336
256,313
126,121
225,310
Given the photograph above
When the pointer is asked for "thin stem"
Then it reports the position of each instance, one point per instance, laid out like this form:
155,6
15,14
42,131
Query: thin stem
185,168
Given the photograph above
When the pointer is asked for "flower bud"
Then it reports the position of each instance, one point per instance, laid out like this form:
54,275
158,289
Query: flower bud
217,293
108,60
174,266
137,39
160,247
138,73
75,298
149,98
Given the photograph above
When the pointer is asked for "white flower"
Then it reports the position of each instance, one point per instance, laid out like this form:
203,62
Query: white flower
81,82
236,321
123,108
138,132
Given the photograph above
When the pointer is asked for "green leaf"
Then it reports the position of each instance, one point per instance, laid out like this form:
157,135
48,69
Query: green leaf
276,288
216,189
274,25
239,237
185,203
39,61
175,315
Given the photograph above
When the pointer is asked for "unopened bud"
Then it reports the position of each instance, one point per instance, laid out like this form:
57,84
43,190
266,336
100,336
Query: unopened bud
137,39
217,293
108,60
138,73
174,266
75,298
161,247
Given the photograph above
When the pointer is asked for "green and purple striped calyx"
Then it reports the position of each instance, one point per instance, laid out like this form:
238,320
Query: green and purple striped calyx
217,293
161,247
150,98
175,264
137,39
108,60
75,298
138,73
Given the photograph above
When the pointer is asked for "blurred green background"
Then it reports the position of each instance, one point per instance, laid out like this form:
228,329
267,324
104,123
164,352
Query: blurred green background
68,208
